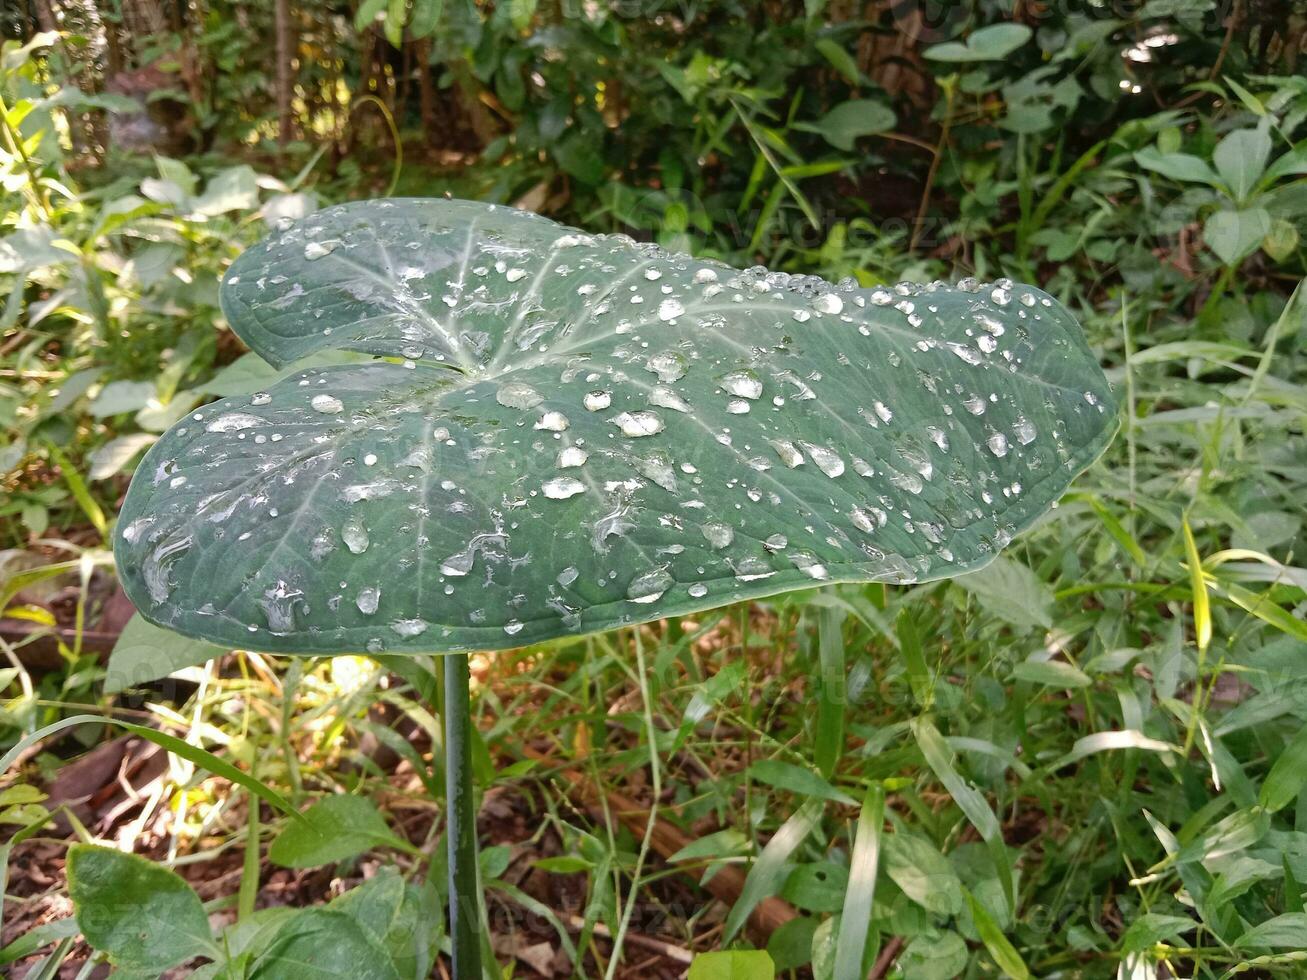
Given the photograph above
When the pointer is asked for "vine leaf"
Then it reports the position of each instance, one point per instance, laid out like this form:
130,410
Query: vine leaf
564,433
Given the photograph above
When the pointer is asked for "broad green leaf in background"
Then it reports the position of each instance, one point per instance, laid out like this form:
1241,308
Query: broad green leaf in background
333,829
323,942
140,913
734,964
402,917
144,653
1240,159
1011,591
1286,931
987,44
849,120
1234,235
109,459
576,432
1178,166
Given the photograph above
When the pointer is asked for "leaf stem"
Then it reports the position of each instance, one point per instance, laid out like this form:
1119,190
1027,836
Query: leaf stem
460,819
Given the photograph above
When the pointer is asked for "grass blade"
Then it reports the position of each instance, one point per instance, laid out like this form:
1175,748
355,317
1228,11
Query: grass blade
940,759
861,888
765,875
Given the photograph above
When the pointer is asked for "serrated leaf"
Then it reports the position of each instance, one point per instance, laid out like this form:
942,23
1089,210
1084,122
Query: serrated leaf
587,432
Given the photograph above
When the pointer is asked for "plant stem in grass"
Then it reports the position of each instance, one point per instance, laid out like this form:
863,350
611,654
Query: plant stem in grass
460,819
656,781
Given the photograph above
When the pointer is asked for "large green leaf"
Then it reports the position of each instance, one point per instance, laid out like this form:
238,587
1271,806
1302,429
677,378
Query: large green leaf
573,432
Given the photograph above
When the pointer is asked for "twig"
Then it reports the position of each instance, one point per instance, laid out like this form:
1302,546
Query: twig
886,958
576,923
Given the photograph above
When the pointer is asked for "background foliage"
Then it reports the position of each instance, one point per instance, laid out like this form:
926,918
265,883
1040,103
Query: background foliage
1091,755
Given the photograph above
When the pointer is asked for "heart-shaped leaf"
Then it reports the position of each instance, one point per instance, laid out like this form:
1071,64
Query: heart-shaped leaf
986,44
573,432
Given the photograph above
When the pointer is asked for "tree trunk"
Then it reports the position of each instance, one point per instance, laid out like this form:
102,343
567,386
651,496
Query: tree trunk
285,55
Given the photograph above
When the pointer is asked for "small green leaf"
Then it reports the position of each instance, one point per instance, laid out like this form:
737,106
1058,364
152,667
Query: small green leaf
1109,742
1234,235
109,459
796,779
846,122
986,44
817,887
333,829
840,59
403,918
563,864
1288,774
923,874
934,955
790,946
1053,673
1240,159
1152,927
1178,166
1281,240
1287,931
733,964
143,915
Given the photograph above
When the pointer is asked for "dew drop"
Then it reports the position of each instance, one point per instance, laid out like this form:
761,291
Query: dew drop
516,394
717,534
597,401
649,586
355,536
636,425
368,599
326,404
316,250
669,309
410,627
827,460
553,422
743,384
562,487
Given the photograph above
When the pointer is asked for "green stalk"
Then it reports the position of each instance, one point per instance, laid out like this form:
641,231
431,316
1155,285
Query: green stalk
460,820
